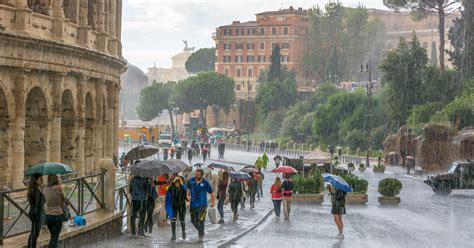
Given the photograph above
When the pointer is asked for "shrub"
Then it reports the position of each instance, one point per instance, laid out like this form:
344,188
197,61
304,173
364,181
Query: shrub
358,185
361,165
390,187
379,168
311,184
349,165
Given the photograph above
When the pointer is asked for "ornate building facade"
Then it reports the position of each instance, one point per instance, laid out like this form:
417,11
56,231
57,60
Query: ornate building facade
60,66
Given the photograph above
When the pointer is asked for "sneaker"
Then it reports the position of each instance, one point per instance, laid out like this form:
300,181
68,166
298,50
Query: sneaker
221,221
340,236
201,239
278,217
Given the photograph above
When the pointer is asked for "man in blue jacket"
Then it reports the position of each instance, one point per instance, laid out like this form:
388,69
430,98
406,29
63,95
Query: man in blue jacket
198,188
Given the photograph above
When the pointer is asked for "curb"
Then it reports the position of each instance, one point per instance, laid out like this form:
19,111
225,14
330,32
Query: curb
239,236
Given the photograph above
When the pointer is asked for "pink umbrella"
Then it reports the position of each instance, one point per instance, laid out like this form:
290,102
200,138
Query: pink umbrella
285,169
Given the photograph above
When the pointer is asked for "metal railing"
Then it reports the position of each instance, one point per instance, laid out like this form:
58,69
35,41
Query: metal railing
81,197
274,151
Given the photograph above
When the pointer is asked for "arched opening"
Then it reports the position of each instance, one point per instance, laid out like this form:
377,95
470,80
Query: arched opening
68,144
89,145
36,128
4,138
40,6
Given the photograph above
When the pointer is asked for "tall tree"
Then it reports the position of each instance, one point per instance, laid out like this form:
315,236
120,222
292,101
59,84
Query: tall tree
421,8
402,72
202,60
468,54
275,66
204,90
154,99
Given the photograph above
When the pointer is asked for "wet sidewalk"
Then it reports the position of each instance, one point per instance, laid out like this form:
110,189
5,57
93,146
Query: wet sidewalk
215,234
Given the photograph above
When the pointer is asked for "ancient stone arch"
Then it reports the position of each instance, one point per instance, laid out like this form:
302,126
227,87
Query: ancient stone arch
36,128
68,129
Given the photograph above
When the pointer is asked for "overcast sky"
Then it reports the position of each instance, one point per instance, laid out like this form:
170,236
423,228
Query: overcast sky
153,30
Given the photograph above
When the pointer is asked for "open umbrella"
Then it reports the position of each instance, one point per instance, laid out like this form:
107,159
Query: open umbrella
239,175
250,166
249,170
49,168
176,165
337,182
285,169
141,151
152,168
227,168
199,165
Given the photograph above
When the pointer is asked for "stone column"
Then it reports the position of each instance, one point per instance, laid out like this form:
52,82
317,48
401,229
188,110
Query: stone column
84,30
18,130
22,16
110,135
55,125
108,168
102,36
116,116
112,47
58,20
118,29
80,138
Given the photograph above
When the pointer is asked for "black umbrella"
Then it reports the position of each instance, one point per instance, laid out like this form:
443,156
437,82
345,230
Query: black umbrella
151,168
249,170
227,168
141,151
199,165
239,175
176,165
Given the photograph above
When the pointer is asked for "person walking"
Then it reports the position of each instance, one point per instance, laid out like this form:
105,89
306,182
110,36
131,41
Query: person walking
179,152
253,187
278,160
235,193
222,194
276,196
165,154
172,152
190,156
204,152
245,193
55,202
338,200
176,200
138,190
36,213
150,205
260,177
287,192
198,188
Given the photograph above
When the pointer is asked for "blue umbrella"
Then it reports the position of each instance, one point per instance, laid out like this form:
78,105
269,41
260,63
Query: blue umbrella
49,168
239,175
337,182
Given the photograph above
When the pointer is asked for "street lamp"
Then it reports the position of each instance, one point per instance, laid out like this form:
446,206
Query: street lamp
369,96
248,113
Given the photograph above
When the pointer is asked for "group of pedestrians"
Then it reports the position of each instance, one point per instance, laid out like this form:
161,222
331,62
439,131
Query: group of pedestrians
47,206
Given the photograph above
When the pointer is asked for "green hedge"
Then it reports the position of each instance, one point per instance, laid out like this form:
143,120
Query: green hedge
358,185
390,187
312,184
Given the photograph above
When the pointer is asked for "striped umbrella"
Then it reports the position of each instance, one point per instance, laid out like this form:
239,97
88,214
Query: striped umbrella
141,151
151,168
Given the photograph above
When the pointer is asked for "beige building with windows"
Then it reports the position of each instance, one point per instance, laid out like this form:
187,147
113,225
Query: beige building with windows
177,71
60,66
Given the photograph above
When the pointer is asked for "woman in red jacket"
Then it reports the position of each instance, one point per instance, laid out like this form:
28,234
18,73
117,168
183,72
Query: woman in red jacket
276,196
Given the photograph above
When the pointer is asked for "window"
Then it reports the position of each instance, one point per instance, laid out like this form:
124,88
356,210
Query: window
249,31
226,72
250,46
237,72
227,46
285,30
250,87
227,31
238,46
261,58
285,58
254,31
237,32
262,45
238,59
249,73
285,45
262,31
274,30
237,87
274,45
250,59
226,59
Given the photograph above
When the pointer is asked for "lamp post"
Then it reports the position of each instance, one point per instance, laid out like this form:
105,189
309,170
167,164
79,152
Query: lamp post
369,96
172,109
248,112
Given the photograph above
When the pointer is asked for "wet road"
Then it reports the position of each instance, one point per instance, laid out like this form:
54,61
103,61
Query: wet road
421,220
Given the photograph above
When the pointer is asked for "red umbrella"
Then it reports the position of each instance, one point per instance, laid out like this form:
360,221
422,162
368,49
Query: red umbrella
285,169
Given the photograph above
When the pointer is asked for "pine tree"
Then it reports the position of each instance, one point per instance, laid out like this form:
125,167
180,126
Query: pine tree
275,67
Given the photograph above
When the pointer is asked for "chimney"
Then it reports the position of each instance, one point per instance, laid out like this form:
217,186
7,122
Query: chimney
300,9
291,7
235,22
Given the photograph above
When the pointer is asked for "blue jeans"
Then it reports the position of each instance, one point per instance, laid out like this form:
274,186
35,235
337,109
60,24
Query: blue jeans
277,207
220,207
55,224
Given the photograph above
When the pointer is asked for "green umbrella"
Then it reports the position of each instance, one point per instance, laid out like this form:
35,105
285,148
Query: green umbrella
49,168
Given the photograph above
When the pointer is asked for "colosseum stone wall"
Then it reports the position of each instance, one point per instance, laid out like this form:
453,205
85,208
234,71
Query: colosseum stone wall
60,66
